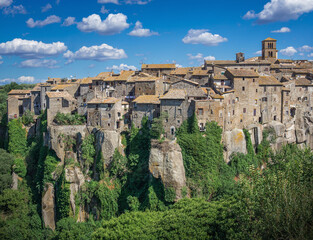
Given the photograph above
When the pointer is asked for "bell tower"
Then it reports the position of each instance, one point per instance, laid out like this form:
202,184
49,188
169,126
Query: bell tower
269,50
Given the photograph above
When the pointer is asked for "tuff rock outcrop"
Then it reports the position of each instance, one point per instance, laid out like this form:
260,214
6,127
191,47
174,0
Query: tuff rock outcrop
107,142
48,206
234,141
76,178
166,163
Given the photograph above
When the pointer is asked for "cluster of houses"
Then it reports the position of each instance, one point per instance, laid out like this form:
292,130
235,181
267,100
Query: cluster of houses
235,94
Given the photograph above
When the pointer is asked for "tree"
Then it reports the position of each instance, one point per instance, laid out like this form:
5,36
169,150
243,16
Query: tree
6,163
17,138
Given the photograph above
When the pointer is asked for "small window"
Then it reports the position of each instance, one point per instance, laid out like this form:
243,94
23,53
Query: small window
109,115
200,111
264,88
166,120
237,99
243,79
178,121
254,112
118,114
179,111
244,110
274,118
256,90
211,111
253,80
243,88
233,112
275,88
109,124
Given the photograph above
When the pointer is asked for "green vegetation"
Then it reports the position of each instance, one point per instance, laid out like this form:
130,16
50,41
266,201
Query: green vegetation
69,119
6,164
239,200
17,138
28,118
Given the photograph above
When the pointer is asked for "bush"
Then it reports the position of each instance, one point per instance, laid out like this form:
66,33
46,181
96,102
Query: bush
20,167
17,138
6,163
28,118
69,119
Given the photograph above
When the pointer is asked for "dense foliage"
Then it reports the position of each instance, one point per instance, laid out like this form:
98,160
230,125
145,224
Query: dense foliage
6,163
17,138
69,119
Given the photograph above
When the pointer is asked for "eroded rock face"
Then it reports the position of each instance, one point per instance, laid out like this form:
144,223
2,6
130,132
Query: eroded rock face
76,178
166,162
234,142
278,127
55,140
107,142
48,206
14,181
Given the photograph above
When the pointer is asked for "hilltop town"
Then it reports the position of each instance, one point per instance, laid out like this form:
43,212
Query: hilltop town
240,93
91,151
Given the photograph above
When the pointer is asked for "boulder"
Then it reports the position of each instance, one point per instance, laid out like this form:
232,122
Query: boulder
166,163
14,181
234,141
48,206
290,134
278,127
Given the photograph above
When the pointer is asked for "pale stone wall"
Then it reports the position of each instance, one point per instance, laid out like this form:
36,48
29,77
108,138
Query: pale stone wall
144,110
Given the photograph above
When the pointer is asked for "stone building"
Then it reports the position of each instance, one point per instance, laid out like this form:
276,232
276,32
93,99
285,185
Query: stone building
148,85
269,51
145,106
158,69
106,113
270,96
245,86
61,102
35,100
176,106
200,76
18,102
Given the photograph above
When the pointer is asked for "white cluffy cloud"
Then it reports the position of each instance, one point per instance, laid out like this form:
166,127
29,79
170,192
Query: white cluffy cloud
199,57
31,48
113,24
46,8
282,30
281,10
202,36
306,48
258,52
21,79
5,3
12,10
122,67
99,53
289,51
39,63
310,55
40,23
69,21
138,31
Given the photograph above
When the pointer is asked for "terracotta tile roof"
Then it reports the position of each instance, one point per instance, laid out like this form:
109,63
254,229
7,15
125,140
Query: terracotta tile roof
104,74
125,75
36,88
269,39
158,66
186,80
303,82
53,79
86,81
180,71
195,92
63,94
19,92
242,73
220,62
220,77
269,80
110,79
110,100
199,72
147,99
61,86
174,94
278,61
125,103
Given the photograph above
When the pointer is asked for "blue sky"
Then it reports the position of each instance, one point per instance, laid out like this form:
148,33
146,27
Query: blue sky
48,38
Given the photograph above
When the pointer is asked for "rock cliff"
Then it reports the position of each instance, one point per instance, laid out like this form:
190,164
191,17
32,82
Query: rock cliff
166,162
48,206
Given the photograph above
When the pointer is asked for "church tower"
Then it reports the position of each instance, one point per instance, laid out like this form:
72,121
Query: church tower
269,51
